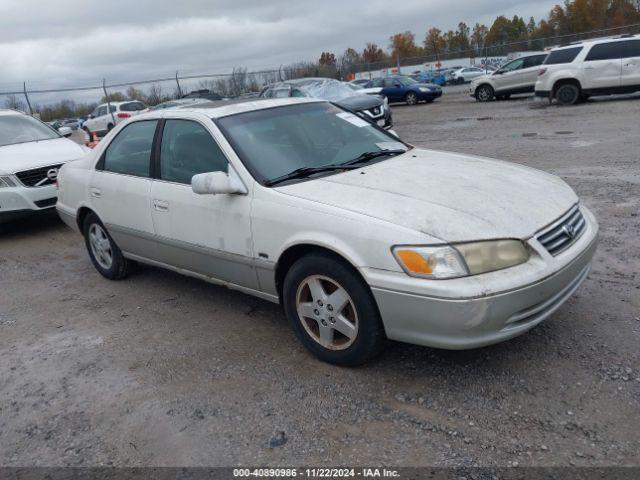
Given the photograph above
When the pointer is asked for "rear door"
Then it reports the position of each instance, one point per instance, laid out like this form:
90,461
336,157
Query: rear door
120,187
602,67
631,64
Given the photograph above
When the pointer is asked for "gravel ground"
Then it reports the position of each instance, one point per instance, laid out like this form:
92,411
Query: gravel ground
162,370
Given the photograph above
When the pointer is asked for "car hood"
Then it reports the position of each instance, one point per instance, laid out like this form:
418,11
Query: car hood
448,196
24,156
359,102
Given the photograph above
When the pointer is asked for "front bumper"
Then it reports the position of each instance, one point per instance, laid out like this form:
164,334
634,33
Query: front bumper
19,201
473,321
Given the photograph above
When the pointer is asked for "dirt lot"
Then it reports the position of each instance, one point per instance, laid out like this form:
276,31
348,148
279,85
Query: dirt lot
164,370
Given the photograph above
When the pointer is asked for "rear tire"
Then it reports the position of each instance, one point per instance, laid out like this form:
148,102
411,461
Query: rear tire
105,255
485,93
567,94
109,127
332,311
411,98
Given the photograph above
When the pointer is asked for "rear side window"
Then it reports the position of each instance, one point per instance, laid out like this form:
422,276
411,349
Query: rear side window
130,152
566,55
606,51
633,48
187,150
534,61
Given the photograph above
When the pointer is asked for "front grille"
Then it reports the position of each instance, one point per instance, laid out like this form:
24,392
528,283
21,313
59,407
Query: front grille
47,202
563,232
37,177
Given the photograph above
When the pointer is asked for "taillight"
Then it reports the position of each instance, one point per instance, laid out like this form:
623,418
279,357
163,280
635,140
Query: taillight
123,115
542,71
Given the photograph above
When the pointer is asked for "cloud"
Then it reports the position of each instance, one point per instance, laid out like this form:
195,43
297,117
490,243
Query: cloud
70,43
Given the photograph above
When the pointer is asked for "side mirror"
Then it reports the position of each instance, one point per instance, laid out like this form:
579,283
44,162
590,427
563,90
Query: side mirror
397,85
218,183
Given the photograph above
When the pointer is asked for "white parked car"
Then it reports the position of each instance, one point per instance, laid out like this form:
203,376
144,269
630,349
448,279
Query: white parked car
102,121
466,74
596,67
31,153
515,77
359,236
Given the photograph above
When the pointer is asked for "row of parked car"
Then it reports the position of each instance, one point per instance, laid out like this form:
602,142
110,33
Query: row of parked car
568,74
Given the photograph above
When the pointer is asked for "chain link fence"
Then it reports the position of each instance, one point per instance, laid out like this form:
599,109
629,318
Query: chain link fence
36,97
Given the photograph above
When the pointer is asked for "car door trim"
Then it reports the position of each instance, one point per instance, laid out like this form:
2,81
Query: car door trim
206,278
153,243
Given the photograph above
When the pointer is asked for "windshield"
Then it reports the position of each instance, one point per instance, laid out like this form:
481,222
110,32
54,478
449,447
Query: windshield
330,90
407,80
23,129
276,141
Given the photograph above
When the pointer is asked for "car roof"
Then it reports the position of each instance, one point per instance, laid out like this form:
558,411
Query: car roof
225,108
6,111
584,43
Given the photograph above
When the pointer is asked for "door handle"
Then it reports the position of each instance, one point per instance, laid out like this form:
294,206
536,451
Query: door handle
589,68
95,192
161,205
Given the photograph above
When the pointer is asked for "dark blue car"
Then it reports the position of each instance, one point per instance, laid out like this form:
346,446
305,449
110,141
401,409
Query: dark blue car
399,88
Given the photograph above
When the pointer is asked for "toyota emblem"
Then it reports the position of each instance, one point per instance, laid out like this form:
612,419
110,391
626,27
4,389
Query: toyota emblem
52,174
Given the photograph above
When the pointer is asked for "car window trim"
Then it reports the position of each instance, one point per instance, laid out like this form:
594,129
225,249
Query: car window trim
100,164
622,52
157,149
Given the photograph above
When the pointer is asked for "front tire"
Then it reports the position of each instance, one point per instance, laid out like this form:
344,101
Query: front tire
484,93
103,251
411,98
567,94
332,310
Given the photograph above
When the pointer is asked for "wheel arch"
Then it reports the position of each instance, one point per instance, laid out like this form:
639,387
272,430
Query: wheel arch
83,211
565,81
294,252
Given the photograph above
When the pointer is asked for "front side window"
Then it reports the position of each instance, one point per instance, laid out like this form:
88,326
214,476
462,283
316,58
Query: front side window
23,129
633,49
565,55
130,152
188,149
102,111
511,66
606,51
377,83
276,141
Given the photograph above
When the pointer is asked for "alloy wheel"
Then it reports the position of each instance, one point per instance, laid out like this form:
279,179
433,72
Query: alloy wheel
327,312
100,246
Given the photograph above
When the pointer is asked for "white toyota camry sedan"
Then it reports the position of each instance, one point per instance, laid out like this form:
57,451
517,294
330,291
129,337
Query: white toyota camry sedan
361,237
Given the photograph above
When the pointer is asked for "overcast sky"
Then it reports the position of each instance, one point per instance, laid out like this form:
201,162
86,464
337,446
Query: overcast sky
63,43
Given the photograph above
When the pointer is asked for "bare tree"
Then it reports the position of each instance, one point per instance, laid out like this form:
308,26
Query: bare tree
12,102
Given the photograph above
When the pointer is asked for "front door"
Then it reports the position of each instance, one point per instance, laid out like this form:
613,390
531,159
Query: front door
205,234
631,64
602,67
120,187
509,77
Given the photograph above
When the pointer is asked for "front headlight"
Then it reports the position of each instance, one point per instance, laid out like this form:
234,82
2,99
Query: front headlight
461,259
425,89
6,182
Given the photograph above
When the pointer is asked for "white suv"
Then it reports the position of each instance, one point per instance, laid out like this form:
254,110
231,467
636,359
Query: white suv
517,76
598,67
101,120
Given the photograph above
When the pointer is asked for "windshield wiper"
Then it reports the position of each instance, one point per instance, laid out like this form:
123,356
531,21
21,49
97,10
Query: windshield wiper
366,156
304,172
